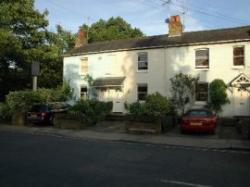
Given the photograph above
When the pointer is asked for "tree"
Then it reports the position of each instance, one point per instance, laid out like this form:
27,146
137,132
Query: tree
218,95
22,40
52,64
182,88
112,29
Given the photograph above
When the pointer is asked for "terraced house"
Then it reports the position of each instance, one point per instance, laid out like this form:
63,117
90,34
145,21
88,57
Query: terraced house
127,70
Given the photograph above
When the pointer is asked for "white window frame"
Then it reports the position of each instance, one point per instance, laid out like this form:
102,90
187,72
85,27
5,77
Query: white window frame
138,92
80,66
201,66
142,61
244,56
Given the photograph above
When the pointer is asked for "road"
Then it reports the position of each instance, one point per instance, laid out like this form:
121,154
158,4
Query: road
41,160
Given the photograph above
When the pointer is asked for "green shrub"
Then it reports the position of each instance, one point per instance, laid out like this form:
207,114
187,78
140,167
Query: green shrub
155,105
5,114
158,105
94,110
218,95
21,101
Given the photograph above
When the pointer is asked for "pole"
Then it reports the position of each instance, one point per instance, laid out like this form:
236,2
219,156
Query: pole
34,83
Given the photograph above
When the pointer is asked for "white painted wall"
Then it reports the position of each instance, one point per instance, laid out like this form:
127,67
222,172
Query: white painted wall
162,65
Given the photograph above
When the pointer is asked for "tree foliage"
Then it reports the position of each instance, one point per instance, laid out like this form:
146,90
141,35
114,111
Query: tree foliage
52,64
218,95
182,88
112,29
23,39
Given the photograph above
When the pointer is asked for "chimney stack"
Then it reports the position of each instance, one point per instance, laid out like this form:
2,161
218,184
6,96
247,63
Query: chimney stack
81,38
175,27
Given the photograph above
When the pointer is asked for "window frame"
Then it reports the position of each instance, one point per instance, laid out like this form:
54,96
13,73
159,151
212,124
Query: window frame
197,98
244,60
142,92
83,59
142,61
86,95
208,58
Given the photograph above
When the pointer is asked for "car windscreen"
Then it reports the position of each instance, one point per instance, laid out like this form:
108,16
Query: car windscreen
193,113
39,108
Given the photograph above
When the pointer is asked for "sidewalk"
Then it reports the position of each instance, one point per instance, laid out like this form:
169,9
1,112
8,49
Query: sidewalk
149,139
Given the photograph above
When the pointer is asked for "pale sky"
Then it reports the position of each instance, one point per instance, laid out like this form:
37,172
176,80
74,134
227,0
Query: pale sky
148,15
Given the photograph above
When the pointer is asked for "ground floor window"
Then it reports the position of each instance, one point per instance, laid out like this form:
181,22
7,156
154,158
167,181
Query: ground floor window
142,91
201,92
83,92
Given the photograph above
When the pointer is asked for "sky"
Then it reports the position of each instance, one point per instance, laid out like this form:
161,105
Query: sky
148,15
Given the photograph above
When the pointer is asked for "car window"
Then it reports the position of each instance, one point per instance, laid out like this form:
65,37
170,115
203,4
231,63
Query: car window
39,108
199,113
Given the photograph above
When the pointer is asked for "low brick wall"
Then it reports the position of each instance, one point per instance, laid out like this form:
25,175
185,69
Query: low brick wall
70,121
143,124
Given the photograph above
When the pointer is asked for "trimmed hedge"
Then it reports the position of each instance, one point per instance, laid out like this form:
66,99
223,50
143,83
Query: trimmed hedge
21,101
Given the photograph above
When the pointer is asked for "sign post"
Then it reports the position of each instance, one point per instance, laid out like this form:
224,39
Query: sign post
35,71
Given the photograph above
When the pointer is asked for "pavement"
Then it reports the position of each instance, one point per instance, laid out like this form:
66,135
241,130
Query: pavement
163,139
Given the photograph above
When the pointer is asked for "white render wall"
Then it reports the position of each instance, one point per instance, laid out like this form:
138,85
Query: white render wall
162,65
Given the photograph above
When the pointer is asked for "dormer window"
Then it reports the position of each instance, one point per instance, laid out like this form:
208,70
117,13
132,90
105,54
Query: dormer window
202,58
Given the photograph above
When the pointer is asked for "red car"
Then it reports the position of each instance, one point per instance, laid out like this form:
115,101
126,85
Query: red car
198,120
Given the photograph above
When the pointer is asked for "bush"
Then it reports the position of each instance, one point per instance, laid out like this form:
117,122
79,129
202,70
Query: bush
5,114
94,110
158,105
21,101
218,95
155,106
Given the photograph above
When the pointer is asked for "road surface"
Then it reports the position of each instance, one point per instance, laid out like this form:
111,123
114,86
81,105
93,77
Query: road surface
42,160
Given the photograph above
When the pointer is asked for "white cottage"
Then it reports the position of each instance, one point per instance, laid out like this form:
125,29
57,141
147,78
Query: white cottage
129,69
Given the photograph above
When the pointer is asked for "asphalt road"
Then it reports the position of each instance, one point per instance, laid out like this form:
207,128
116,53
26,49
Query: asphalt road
39,160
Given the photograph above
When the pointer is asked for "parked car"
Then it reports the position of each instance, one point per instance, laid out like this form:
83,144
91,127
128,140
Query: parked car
44,113
198,120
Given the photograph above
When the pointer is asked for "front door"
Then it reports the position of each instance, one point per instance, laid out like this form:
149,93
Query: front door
118,104
241,102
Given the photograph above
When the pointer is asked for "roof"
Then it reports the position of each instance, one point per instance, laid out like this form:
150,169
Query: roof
108,82
159,41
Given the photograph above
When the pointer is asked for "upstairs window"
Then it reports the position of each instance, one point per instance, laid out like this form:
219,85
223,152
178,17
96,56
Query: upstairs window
202,58
239,56
84,66
142,61
201,92
142,92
